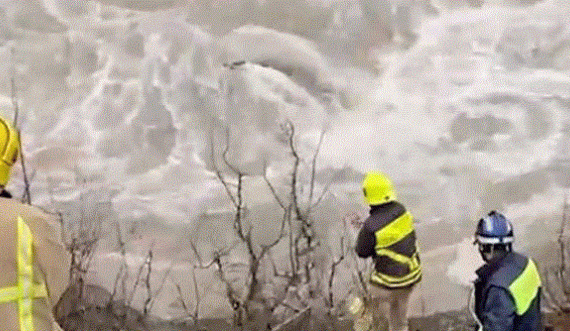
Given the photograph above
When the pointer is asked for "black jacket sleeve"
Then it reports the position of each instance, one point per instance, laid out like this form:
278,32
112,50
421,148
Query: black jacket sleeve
365,243
499,310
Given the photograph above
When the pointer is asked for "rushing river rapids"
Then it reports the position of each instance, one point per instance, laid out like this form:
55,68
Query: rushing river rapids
122,105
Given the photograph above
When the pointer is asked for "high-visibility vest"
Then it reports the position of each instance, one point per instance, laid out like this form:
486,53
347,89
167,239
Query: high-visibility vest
525,287
386,239
35,267
519,279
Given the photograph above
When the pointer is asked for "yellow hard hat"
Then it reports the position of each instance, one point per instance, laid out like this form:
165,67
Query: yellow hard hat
9,149
377,188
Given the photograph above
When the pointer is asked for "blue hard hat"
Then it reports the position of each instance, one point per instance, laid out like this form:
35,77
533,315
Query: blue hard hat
494,229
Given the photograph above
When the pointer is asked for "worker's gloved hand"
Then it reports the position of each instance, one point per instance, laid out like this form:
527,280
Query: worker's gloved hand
354,220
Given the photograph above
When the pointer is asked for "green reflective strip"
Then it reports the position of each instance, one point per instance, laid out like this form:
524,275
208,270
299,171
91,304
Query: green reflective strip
395,231
525,288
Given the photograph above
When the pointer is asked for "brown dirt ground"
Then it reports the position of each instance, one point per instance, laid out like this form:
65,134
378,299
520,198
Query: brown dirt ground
96,315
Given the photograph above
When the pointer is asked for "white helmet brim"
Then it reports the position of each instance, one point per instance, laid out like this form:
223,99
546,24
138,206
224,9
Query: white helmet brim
494,240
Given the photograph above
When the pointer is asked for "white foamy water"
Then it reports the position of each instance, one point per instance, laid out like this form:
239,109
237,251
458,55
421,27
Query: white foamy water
123,103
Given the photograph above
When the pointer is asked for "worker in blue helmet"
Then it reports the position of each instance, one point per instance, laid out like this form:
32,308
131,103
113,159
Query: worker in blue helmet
508,286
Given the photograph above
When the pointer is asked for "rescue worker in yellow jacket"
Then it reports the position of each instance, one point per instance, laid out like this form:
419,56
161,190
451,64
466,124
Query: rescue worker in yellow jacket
388,236
34,262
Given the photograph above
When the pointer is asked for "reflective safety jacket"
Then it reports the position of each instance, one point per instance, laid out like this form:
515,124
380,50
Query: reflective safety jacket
388,236
34,267
507,295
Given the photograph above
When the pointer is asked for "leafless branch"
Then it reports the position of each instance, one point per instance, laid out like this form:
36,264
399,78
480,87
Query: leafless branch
290,131
217,254
300,235
146,264
561,234
218,173
123,270
121,274
13,87
149,294
232,296
556,287
286,216
276,272
160,286
334,265
238,218
290,306
327,187
314,169
239,204
272,189
548,292
181,298
196,295
306,232
226,151
81,246
299,315
27,198
361,281
226,187
293,260
202,265
237,197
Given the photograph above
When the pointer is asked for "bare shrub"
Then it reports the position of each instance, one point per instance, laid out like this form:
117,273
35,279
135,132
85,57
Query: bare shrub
85,306
556,278
280,279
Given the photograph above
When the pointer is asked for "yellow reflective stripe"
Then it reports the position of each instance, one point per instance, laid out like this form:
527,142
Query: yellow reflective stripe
25,276
391,281
40,291
25,291
411,262
9,294
409,277
395,231
525,288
